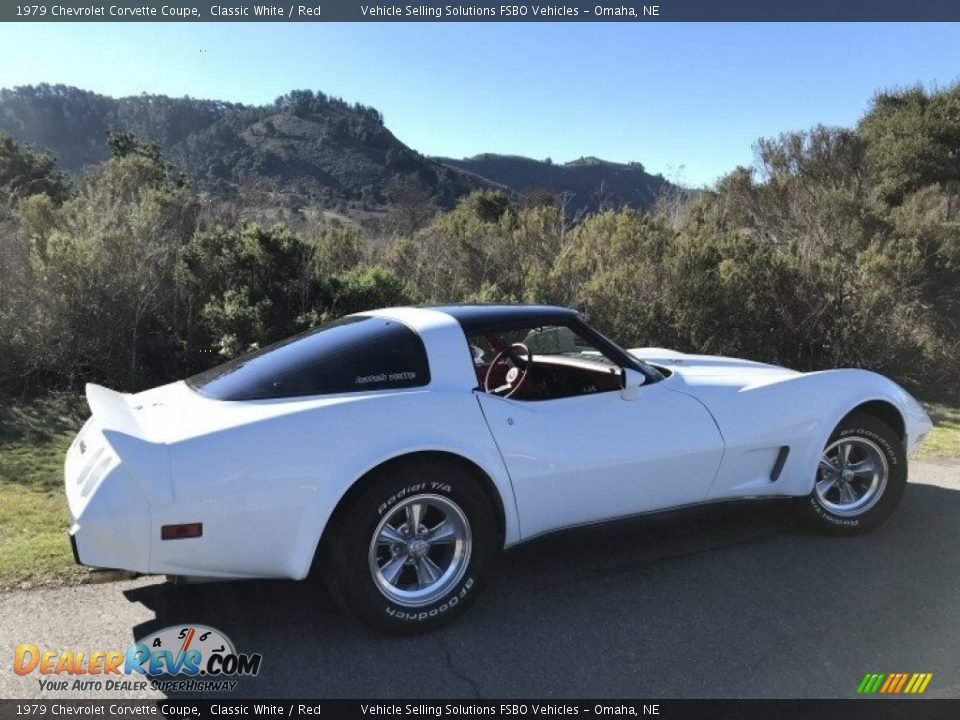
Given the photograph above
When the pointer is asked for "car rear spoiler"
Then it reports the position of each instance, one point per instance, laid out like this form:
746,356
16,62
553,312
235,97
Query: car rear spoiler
145,458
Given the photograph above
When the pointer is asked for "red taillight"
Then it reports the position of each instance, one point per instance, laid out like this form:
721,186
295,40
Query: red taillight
179,532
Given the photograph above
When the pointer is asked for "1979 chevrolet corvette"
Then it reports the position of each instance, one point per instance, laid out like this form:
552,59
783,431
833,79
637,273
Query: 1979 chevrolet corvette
398,450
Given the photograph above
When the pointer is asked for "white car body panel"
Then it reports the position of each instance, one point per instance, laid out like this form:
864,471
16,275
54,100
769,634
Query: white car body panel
590,458
760,408
265,476
263,518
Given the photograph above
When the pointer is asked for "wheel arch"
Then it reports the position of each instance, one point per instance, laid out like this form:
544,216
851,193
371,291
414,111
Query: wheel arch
481,476
874,405
884,411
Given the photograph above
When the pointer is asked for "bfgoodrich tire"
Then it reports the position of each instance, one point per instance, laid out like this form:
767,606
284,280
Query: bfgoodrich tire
411,548
860,478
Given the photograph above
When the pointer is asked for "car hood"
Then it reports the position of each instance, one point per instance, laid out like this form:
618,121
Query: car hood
714,372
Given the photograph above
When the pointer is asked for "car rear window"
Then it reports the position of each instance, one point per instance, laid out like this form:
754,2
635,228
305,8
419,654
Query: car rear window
354,354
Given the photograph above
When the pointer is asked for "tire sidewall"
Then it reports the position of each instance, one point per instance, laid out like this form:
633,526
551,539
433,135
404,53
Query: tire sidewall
351,573
885,439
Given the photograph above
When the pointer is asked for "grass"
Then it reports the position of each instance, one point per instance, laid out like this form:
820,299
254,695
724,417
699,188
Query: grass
944,439
34,549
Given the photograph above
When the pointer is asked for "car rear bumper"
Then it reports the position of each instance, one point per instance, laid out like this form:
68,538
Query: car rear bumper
109,513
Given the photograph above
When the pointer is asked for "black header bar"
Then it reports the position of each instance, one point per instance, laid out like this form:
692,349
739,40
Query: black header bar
482,11
207,709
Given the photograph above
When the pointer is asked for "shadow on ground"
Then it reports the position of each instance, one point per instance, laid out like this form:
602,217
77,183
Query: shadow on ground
735,601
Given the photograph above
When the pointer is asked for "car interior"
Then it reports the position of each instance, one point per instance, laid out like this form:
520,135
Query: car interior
541,363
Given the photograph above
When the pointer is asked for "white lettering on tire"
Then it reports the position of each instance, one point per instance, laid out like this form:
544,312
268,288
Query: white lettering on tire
420,615
400,495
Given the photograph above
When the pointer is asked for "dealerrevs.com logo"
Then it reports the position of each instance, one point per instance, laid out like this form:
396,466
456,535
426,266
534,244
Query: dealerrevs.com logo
178,658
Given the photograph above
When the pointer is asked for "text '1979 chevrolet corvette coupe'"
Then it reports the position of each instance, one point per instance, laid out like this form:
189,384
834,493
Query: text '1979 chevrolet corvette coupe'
398,450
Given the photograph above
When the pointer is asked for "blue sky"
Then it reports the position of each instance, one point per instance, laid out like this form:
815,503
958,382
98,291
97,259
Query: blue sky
687,100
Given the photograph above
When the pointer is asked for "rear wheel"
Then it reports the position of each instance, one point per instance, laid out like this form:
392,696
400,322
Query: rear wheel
410,550
860,478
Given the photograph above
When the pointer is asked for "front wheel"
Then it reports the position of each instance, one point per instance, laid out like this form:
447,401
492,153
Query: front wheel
412,547
860,478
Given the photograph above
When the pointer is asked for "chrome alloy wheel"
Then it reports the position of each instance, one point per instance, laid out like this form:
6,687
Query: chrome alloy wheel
420,550
851,476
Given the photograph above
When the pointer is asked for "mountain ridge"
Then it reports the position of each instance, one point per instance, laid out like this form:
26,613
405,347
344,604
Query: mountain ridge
590,182
308,147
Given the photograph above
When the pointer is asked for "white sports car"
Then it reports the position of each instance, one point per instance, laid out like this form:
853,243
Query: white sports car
398,450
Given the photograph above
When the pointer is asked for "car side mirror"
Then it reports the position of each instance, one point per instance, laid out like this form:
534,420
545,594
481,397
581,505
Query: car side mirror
631,380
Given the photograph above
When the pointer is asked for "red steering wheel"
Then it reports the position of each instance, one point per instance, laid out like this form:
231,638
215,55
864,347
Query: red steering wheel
516,375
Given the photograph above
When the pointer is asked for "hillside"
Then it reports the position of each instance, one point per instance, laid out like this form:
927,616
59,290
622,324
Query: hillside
305,144
591,182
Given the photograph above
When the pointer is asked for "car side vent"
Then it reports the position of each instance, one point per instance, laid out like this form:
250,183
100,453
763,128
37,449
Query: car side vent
778,463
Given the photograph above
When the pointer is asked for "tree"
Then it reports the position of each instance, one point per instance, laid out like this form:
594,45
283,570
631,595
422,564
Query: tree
25,172
411,207
337,250
106,298
913,140
365,287
248,285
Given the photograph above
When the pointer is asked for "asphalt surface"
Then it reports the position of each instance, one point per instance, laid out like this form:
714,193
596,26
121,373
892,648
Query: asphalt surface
737,601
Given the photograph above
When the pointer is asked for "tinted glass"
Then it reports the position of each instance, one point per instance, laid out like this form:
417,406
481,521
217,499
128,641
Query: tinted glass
354,354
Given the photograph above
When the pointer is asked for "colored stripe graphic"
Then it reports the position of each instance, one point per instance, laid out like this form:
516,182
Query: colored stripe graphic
870,683
894,683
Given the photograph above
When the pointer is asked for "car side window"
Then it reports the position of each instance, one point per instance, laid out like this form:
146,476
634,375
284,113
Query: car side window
565,364
354,354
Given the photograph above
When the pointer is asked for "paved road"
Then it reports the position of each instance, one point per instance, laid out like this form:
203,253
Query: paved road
735,602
